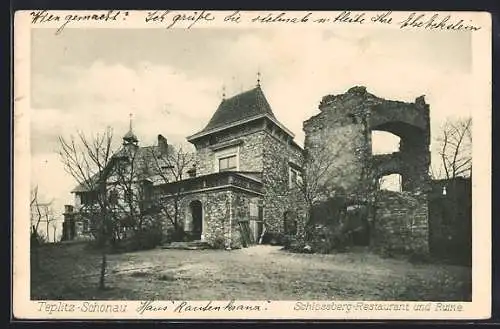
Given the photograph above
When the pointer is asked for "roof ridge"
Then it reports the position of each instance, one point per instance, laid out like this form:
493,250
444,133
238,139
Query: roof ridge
240,93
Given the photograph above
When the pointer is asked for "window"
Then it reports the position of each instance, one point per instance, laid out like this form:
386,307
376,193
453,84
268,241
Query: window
147,191
86,228
227,163
129,196
227,159
295,177
88,198
113,197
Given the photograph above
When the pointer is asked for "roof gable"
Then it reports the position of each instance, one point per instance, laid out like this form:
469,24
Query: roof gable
144,157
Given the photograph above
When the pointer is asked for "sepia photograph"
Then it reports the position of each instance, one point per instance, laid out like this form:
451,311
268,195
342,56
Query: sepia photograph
319,166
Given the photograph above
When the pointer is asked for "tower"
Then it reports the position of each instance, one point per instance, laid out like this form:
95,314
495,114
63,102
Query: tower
130,139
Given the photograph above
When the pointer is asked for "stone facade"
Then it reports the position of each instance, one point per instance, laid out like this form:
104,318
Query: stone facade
401,222
247,141
280,195
223,211
264,150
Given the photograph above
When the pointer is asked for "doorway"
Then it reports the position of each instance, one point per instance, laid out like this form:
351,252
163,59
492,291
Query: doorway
197,219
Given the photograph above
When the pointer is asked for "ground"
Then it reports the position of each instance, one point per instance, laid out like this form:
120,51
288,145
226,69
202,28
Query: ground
70,272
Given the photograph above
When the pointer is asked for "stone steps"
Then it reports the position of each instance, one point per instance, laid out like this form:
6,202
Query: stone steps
189,245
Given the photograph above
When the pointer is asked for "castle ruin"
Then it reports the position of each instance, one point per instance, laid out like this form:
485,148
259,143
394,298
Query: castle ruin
343,130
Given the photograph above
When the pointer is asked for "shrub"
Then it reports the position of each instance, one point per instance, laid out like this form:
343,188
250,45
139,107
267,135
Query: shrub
147,239
218,243
327,238
274,239
37,239
143,239
174,235
95,245
295,244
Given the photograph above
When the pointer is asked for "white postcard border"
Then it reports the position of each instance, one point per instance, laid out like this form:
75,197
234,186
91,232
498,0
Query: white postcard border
23,308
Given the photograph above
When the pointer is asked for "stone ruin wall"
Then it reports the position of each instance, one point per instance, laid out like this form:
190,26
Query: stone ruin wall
343,129
401,222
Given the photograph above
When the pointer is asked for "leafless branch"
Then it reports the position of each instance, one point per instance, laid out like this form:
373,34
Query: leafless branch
455,148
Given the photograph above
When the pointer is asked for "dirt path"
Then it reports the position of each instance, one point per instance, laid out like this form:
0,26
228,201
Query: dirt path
258,273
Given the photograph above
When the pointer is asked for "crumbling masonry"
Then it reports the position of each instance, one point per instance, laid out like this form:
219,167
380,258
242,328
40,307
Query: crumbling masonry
343,129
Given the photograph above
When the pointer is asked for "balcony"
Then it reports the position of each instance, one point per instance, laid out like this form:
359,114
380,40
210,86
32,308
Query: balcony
228,179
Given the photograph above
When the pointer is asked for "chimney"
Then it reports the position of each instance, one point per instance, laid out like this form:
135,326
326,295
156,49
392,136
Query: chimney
68,209
162,144
192,171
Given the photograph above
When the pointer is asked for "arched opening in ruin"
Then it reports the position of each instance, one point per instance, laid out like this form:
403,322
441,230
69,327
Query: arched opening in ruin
391,182
410,159
398,115
384,142
405,132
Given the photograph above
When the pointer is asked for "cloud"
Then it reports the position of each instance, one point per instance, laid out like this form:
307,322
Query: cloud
160,98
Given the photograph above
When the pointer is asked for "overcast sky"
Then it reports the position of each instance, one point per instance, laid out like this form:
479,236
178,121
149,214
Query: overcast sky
171,80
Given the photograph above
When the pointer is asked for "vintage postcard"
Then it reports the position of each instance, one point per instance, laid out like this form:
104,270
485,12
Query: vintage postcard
252,165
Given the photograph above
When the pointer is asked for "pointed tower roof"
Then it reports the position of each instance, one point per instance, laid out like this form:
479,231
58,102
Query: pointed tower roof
239,109
242,106
130,137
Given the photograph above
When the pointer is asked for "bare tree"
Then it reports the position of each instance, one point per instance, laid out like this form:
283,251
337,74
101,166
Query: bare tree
88,160
455,149
132,186
36,218
318,172
54,230
36,214
49,219
134,173
319,181
41,212
123,196
170,165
